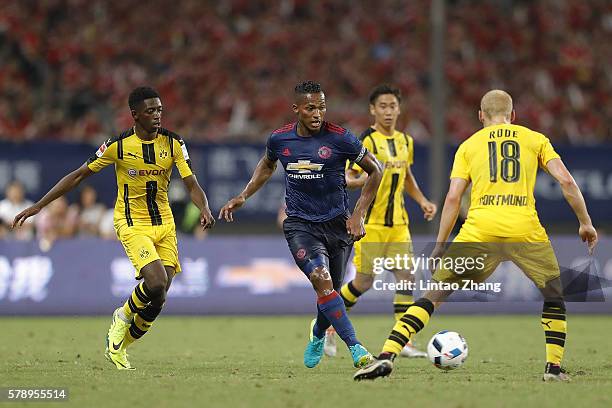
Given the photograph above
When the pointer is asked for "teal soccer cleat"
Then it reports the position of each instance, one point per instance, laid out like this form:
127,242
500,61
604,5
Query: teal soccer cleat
314,349
361,356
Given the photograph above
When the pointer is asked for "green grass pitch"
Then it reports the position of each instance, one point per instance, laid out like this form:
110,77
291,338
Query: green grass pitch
257,361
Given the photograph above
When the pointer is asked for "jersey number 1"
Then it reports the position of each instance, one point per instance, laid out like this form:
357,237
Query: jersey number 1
510,165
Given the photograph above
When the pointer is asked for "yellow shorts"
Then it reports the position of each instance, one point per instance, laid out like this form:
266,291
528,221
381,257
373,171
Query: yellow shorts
532,253
381,241
145,244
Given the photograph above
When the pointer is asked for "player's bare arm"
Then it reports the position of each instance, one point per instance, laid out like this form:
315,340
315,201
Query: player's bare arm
66,184
355,179
412,188
264,170
573,196
450,212
354,225
198,197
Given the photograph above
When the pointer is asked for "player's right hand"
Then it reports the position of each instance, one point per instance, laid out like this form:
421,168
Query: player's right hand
207,220
588,234
429,210
231,206
355,227
24,215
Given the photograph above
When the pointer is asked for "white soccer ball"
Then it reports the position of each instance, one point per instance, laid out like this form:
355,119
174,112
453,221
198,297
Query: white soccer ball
447,350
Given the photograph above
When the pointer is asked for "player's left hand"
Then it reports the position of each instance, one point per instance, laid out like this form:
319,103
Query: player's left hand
207,220
429,210
355,227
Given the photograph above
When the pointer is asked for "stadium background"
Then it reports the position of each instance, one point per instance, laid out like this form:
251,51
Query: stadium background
225,71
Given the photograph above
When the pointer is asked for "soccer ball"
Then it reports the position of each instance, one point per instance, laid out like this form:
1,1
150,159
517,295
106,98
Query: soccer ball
447,350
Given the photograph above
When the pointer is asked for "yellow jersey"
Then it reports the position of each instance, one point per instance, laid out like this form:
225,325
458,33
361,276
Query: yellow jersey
502,161
396,154
143,170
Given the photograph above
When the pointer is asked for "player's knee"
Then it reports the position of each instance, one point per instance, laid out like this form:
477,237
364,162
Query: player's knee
553,291
157,287
320,277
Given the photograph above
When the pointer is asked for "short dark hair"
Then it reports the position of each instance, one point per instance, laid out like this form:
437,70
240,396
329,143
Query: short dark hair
138,95
307,87
385,89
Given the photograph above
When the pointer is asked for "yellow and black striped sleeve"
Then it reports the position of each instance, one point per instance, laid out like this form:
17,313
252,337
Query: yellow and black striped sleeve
178,151
104,156
410,146
181,158
368,143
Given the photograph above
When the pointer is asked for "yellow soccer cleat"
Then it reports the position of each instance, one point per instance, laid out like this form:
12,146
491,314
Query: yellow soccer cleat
115,349
119,359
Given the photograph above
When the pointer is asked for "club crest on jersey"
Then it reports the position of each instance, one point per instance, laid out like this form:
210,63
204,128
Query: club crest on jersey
301,253
325,152
286,152
163,154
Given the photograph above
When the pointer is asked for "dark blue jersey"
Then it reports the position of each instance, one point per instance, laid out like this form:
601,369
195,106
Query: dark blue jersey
314,169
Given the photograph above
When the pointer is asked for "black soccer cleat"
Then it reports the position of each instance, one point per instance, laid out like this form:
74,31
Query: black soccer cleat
377,368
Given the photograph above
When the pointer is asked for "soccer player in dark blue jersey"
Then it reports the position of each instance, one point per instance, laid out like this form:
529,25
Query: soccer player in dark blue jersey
319,228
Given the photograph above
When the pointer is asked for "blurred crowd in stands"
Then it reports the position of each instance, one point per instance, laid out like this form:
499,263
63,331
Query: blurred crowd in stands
226,69
85,218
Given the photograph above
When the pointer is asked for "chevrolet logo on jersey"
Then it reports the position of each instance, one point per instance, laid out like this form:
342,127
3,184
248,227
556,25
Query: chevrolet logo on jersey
304,166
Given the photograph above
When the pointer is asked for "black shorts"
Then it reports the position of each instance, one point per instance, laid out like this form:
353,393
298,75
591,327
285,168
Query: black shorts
315,244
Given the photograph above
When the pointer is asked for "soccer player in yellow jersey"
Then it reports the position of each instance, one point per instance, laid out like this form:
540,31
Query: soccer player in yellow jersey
501,162
386,221
143,157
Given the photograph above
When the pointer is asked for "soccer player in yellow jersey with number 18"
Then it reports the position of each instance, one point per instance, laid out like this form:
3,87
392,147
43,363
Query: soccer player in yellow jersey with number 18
143,157
501,161
386,222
